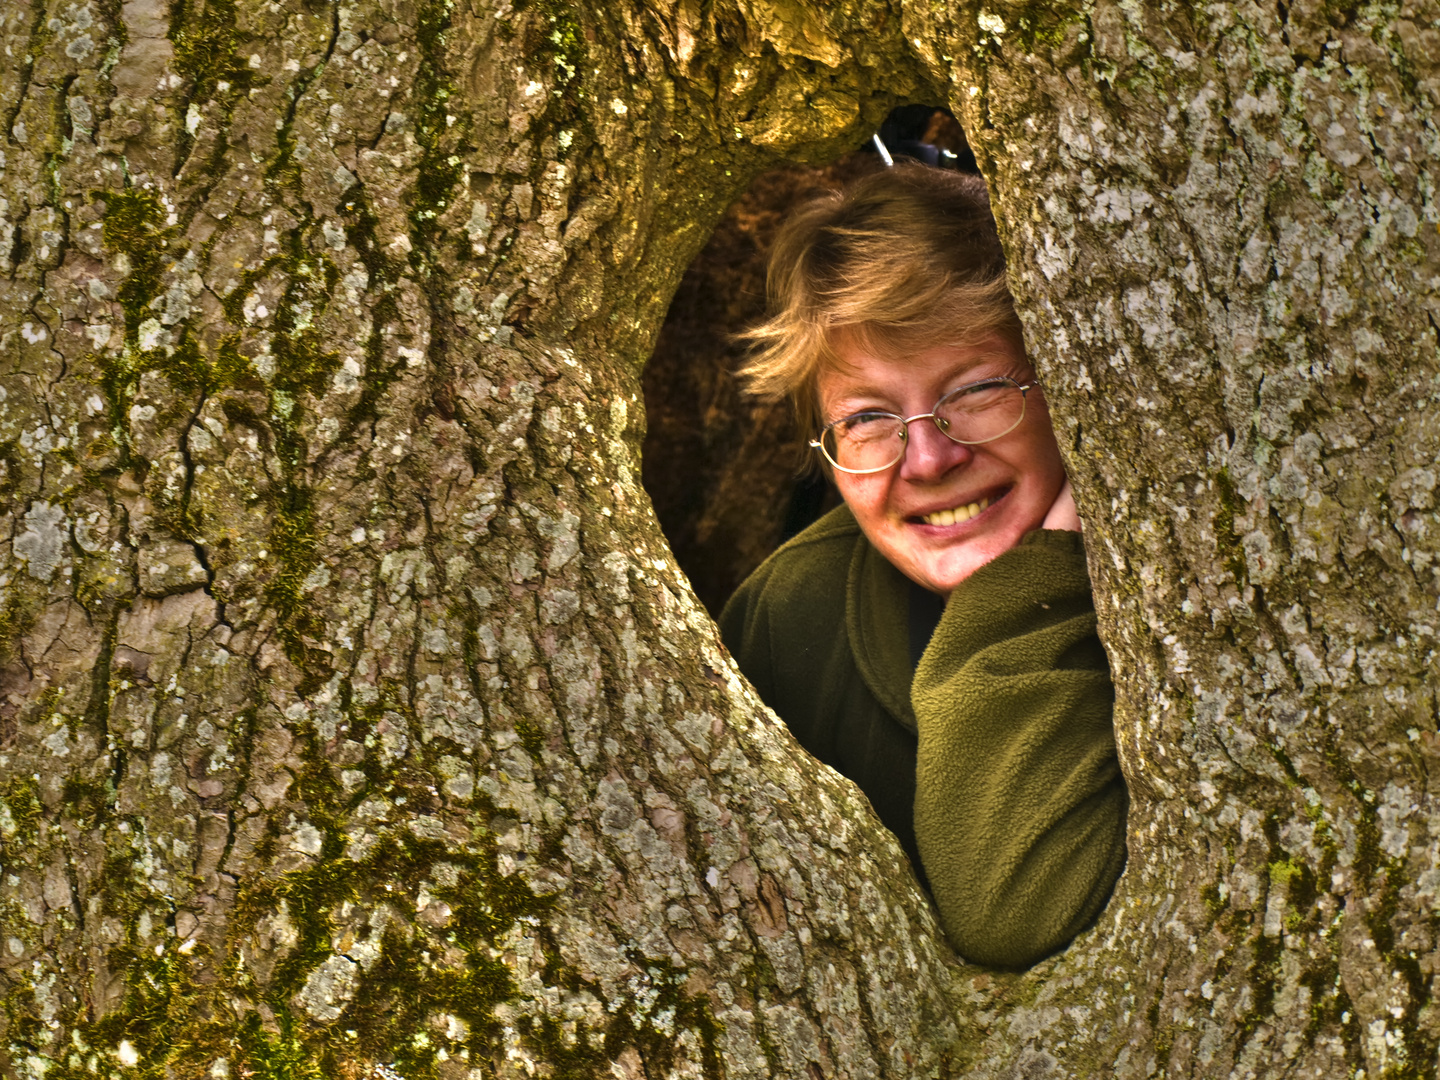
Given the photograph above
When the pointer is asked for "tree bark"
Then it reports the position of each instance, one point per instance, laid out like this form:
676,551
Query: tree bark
357,720
1225,252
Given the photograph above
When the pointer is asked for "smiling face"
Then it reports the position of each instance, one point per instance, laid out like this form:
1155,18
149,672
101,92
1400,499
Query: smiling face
1001,489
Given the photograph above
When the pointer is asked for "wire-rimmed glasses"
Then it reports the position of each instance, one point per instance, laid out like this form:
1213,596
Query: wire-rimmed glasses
872,441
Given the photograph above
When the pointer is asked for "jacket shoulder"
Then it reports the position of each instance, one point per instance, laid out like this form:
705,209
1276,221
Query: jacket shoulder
839,522
834,532
816,554
800,580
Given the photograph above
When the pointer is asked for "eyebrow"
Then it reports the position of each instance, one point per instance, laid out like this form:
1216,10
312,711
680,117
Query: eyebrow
845,404
861,392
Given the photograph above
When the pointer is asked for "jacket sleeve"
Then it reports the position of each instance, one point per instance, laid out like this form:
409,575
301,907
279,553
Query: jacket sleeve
1020,805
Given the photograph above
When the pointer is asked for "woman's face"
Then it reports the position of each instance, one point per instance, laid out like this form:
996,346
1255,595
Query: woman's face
1013,481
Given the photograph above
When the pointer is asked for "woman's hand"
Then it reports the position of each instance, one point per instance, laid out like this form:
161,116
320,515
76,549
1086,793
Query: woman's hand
1062,514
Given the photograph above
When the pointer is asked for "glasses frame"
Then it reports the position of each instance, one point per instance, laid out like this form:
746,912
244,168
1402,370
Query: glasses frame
941,425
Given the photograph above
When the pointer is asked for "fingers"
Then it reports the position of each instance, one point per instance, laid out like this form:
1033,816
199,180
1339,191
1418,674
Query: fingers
1062,514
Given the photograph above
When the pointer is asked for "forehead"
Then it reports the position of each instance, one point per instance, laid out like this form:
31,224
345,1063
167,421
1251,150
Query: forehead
859,370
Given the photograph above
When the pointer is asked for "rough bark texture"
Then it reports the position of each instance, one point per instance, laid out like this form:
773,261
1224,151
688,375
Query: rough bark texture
357,720
1225,246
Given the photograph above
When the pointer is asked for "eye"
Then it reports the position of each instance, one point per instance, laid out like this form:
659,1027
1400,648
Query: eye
863,426
981,411
981,395
986,390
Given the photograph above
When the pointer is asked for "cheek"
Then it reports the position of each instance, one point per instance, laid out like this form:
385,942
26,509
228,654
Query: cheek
1041,454
865,495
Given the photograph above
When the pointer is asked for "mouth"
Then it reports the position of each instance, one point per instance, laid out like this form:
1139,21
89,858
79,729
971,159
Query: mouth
956,515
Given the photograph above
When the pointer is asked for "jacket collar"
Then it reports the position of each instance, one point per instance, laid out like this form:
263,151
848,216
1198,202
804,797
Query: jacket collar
877,598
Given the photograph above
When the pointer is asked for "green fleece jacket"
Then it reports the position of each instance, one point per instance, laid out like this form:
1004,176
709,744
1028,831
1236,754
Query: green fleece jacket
993,762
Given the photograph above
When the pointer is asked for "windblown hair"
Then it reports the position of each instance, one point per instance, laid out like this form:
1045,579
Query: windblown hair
899,261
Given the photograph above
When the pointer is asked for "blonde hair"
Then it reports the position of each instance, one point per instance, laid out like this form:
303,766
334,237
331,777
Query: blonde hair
899,261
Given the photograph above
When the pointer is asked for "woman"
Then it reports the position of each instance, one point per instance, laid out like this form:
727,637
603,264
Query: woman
933,638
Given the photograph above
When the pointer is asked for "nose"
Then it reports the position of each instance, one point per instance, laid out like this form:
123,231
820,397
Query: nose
929,455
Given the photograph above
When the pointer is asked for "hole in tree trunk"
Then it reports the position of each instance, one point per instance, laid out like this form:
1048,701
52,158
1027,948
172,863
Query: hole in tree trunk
726,472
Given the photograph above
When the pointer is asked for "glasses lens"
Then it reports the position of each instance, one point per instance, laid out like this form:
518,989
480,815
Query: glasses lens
865,441
979,413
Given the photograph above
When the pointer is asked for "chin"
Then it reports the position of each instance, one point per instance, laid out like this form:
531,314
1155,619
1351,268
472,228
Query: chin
941,578
947,572
947,582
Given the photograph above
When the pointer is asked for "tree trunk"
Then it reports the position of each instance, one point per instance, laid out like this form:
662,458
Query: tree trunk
1224,246
357,721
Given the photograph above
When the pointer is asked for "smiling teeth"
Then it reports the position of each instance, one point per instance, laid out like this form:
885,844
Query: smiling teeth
960,513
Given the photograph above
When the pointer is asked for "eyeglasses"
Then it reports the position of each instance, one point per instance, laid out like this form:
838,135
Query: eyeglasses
873,441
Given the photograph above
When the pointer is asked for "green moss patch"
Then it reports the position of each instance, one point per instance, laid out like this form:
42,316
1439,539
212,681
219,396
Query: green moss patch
20,811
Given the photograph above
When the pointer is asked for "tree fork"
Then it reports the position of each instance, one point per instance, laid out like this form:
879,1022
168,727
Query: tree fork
417,757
